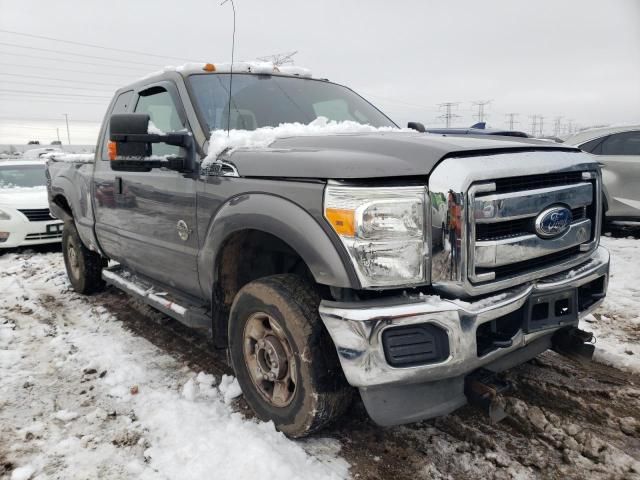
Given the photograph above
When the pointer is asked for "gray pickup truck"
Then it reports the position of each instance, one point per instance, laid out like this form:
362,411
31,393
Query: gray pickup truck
410,266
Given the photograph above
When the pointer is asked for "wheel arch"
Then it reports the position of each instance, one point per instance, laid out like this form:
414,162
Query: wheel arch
251,222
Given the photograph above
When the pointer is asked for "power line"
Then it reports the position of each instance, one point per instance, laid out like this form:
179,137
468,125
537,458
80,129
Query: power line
39,67
32,99
43,119
53,94
557,125
448,116
77,54
512,120
59,79
93,45
534,124
50,59
48,85
541,119
481,104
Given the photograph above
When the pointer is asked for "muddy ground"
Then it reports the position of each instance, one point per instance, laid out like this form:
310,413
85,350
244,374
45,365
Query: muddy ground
568,418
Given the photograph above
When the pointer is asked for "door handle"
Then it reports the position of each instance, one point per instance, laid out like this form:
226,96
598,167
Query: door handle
119,185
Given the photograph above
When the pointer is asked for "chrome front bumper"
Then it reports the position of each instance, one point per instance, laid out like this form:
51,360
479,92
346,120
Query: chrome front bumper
356,328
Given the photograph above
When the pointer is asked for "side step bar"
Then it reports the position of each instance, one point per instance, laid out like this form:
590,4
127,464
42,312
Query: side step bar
177,306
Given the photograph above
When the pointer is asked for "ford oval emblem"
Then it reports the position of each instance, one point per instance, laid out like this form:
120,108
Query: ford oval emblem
553,222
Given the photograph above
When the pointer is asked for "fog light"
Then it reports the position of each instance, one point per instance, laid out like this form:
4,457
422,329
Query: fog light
412,345
4,236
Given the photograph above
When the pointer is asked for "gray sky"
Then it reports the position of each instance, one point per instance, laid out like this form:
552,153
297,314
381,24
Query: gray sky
579,59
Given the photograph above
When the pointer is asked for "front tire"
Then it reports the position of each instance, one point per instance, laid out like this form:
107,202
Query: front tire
283,357
84,267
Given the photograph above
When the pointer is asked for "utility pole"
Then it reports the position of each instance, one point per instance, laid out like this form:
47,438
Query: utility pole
570,126
481,104
448,116
534,124
512,120
557,125
58,133
541,118
66,117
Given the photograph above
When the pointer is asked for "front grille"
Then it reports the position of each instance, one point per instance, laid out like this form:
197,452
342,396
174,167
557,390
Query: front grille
42,236
531,264
512,249
38,214
532,182
514,228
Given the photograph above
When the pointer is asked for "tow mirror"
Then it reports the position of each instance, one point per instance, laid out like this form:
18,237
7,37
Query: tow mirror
416,126
130,144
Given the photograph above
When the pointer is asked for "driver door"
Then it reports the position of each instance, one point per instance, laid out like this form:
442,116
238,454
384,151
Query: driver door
154,213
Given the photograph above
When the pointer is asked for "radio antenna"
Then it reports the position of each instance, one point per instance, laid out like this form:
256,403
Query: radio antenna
233,49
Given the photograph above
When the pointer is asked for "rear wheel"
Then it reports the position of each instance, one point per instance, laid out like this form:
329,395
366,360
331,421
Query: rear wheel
84,267
283,357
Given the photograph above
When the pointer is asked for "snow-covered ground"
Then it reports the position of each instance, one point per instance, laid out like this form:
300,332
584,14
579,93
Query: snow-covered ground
80,397
616,323
83,397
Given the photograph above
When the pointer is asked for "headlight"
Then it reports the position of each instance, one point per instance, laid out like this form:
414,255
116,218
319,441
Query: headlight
4,215
383,229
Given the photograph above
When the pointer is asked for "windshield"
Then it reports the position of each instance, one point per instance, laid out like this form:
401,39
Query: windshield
25,176
269,100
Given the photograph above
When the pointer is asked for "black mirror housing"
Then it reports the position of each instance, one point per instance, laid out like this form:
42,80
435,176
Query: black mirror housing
417,126
129,132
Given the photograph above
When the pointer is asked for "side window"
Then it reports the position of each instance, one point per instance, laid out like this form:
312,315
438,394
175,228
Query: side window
627,143
593,146
158,104
121,105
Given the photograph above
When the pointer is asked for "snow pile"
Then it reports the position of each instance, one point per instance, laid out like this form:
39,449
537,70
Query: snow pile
616,324
265,136
81,397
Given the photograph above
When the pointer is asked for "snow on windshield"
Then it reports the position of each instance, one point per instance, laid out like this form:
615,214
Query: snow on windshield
265,136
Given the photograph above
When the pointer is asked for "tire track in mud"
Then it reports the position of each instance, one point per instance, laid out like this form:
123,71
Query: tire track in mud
568,418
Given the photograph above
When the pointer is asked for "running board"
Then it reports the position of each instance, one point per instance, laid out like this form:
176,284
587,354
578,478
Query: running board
173,304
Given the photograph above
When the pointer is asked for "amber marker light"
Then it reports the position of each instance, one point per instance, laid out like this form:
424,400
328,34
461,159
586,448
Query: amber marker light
209,67
342,221
112,150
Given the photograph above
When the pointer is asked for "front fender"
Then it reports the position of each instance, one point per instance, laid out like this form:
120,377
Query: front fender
286,221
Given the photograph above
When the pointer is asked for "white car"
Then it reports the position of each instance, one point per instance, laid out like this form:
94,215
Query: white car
618,151
24,208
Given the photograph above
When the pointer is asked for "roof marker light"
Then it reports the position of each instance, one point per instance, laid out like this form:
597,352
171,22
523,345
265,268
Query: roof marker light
209,67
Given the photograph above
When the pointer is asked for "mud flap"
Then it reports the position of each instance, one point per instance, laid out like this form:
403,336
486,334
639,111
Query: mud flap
482,388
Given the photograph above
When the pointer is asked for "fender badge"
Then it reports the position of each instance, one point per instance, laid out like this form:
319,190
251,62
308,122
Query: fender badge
183,230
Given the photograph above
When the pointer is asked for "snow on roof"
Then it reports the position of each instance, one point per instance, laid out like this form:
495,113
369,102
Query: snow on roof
71,157
265,136
255,67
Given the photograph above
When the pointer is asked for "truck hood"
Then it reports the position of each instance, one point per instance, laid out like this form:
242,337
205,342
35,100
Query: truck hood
370,155
23,198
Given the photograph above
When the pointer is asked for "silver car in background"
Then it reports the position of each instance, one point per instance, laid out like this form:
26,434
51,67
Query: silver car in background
618,151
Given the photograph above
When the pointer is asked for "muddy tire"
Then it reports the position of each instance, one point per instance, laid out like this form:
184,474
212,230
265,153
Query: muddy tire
283,357
84,267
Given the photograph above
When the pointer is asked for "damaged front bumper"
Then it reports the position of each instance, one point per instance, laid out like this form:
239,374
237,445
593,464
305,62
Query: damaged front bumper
409,355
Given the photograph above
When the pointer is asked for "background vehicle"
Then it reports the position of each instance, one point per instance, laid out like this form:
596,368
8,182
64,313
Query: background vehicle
409,266
24,208
478,129
618,151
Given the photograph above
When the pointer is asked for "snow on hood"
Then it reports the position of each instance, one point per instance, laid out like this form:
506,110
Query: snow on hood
265,136
23,197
